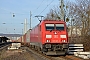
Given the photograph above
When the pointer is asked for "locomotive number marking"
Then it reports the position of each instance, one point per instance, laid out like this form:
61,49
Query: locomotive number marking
55,36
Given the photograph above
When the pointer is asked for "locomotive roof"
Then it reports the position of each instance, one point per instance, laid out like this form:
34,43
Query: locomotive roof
53,21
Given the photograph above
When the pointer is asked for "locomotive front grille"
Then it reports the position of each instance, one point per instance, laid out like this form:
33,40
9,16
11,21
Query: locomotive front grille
54,46
57,47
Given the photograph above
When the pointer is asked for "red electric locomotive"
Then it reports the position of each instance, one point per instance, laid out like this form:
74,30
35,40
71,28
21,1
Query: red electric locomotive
50,36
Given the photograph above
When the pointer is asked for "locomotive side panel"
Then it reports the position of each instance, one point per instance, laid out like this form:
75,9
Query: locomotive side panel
35,36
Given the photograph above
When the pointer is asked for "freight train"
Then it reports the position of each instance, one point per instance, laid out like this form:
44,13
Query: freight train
49,36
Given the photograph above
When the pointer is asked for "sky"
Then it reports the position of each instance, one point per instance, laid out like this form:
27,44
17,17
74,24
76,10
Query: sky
21,9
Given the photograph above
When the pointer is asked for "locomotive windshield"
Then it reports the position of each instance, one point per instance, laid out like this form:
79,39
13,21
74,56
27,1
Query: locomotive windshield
59,26
54,26
49,26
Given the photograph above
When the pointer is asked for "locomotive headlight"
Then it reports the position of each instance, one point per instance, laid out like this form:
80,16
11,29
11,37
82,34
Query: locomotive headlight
47,40
48,36
63,36
63,40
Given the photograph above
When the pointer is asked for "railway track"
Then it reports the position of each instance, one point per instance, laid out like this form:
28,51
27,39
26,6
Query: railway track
26,53
39,56
3,48
4,45
44,57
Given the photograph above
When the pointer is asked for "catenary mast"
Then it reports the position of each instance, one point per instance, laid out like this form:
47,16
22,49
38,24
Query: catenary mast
62,9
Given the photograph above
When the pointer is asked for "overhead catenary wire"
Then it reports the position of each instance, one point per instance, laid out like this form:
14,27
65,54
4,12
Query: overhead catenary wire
10,12
46,7
22,13
35,10
39,6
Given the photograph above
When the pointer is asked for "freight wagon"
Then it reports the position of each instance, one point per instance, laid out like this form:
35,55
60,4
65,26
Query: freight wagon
25,39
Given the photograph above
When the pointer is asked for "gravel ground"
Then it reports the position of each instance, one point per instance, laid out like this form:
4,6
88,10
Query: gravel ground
16,55
21,54
24,54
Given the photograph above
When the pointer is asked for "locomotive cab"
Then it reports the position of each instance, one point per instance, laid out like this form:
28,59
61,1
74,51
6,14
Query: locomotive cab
55,38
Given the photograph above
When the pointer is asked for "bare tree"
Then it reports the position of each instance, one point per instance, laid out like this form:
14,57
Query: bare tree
53,14
81,13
